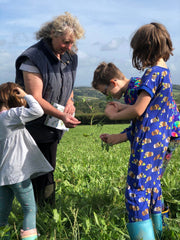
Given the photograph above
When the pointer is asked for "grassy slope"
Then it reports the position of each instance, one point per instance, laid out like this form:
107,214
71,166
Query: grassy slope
90,190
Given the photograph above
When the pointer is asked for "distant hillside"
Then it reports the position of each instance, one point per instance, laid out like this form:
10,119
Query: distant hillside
89,100
87,92
176,93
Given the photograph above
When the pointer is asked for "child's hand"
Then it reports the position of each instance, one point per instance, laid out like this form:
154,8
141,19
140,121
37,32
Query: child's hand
20,92
111,110
113,106
117,106
104,137
111,139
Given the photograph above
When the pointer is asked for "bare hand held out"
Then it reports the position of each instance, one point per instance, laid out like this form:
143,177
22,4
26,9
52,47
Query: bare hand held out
70,121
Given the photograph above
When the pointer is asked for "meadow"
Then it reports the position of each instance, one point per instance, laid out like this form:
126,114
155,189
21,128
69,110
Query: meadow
90,185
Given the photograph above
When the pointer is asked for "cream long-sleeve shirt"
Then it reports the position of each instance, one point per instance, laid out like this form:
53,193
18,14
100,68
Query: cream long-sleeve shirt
20,157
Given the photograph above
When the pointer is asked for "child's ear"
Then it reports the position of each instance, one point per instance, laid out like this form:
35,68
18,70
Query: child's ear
114,82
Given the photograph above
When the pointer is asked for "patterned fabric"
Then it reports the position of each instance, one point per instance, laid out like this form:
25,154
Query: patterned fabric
131,96
176,121
131,93
151,136
174,143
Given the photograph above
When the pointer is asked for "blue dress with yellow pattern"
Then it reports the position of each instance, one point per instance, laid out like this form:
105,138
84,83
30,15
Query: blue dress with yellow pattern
150,136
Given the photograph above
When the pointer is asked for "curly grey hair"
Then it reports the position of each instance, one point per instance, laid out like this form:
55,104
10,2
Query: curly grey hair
60,26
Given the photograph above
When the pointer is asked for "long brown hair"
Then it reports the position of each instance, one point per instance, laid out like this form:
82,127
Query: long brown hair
150,43
8,97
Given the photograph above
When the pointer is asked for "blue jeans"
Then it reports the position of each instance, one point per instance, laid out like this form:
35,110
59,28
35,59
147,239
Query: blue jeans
23,191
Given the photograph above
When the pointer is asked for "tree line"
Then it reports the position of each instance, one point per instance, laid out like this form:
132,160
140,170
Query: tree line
90,105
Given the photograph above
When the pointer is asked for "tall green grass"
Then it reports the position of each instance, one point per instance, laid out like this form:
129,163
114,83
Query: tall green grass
90,185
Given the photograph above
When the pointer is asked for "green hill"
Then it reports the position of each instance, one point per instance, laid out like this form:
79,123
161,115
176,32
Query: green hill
176,93
89,100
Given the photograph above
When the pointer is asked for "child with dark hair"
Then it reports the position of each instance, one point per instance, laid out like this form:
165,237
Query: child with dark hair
20,158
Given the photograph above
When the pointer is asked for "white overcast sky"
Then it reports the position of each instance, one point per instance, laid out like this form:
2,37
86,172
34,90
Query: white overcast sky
109,25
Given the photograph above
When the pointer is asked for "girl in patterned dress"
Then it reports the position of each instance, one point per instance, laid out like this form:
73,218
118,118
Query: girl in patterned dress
152,115
20,158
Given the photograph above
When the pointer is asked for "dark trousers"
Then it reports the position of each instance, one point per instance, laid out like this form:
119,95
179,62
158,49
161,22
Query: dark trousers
44,186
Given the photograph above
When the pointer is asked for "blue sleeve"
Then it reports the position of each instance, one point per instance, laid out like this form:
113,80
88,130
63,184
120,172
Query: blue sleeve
128,132
150,81
129,136
147,89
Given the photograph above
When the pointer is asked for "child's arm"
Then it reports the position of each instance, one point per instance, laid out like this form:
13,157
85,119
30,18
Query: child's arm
115,107
130,111
33,112
114,138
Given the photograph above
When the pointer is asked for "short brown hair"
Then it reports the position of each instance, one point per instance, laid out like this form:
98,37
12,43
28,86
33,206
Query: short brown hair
150,43
104,73
8,97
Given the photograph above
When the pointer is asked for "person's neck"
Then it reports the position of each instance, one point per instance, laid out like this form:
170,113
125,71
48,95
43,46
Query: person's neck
126,83
123,88
49,42
161,63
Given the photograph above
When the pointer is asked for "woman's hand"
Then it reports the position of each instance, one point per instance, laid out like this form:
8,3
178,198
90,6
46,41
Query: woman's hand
70,121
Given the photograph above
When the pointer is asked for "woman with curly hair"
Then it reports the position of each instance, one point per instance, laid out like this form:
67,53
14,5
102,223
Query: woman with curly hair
47,71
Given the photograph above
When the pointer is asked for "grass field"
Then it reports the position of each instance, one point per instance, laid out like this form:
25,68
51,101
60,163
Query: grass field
90,185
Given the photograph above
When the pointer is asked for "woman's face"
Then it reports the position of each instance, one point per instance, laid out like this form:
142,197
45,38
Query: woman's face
61,44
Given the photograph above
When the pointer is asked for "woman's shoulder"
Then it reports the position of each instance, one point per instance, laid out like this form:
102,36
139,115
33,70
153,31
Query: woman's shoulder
31,52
